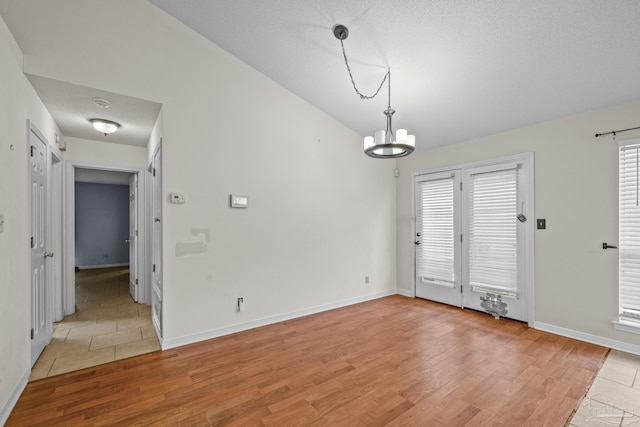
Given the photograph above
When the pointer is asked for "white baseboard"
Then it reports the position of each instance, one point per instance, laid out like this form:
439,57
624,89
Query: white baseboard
90,267
404,293
215,333
11,401
593,339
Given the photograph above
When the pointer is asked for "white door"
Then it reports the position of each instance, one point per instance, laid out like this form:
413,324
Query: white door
156,269
472,244
41,328
133,237
437,241
494,248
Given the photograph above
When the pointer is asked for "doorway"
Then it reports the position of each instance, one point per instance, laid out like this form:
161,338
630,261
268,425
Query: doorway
474,236
106,322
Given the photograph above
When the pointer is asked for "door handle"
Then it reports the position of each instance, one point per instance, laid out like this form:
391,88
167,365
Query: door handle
157,219
416,242
48,254
607,246
127,241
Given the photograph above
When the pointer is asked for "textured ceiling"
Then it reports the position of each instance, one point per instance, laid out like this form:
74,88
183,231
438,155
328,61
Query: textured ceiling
72,106
461,69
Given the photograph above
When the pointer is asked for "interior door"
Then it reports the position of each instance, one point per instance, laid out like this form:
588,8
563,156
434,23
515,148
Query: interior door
133,237
437,238
156,270
40,297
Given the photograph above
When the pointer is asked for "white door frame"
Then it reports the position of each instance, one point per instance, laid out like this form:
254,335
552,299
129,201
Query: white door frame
529,235
156,258
55,232
69,294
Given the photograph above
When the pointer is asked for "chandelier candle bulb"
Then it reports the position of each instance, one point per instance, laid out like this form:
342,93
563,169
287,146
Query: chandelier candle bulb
401,135
379,136
368,142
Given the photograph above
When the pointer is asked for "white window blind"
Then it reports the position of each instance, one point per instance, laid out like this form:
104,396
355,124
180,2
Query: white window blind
492,222
435,254
629,231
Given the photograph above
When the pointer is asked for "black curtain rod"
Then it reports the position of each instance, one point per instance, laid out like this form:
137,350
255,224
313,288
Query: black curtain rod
615,131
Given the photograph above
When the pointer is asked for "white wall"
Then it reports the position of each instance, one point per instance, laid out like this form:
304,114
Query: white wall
321,215
576,191
18,102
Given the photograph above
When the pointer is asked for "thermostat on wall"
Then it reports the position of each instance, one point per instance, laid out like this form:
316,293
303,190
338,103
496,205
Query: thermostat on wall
177,198
239,201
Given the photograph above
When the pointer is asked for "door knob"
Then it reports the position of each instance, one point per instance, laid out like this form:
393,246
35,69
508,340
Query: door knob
48,254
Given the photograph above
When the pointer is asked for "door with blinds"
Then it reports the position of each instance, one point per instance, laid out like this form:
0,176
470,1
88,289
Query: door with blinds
438,248
473,245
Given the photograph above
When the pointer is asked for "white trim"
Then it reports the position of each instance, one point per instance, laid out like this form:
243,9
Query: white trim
13,397
69,305
593,339
625,142
404,293
626,326
219,332
91,267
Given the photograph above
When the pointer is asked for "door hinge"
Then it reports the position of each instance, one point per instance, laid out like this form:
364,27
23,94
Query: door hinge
136,281
460,185
32,151
32,332
461,238
136,233
154,268
33,243
154,171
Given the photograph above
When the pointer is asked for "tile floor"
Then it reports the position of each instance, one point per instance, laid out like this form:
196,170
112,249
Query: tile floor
108,325
614,396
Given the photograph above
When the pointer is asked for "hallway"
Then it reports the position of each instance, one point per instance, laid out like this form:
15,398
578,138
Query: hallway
108,325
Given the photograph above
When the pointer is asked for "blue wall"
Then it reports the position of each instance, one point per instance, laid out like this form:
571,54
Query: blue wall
102,224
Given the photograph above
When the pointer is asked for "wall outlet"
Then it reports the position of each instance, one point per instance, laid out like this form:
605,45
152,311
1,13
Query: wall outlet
541,223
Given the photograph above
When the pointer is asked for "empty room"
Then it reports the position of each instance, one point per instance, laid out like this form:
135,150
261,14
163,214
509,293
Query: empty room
329,213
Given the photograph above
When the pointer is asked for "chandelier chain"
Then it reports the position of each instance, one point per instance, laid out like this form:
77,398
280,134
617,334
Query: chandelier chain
360,94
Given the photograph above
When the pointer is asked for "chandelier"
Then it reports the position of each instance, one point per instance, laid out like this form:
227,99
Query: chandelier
384,144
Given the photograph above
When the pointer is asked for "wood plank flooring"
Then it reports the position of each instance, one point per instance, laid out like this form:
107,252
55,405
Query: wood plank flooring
394,361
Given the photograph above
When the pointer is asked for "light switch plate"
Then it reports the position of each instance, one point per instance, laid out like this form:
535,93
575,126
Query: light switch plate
541,223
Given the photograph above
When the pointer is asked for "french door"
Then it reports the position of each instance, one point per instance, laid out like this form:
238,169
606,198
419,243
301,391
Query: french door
473,236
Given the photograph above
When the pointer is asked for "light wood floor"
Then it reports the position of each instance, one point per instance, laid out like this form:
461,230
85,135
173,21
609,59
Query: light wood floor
393,361
108,325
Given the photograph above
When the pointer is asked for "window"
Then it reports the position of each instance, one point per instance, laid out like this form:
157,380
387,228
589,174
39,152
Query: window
629,238
435,225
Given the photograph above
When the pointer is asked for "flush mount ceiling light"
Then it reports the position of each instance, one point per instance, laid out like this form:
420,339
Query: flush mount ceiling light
384,144
105,126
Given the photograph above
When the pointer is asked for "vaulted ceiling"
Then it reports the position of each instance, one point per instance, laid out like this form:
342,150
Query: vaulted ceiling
460,69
